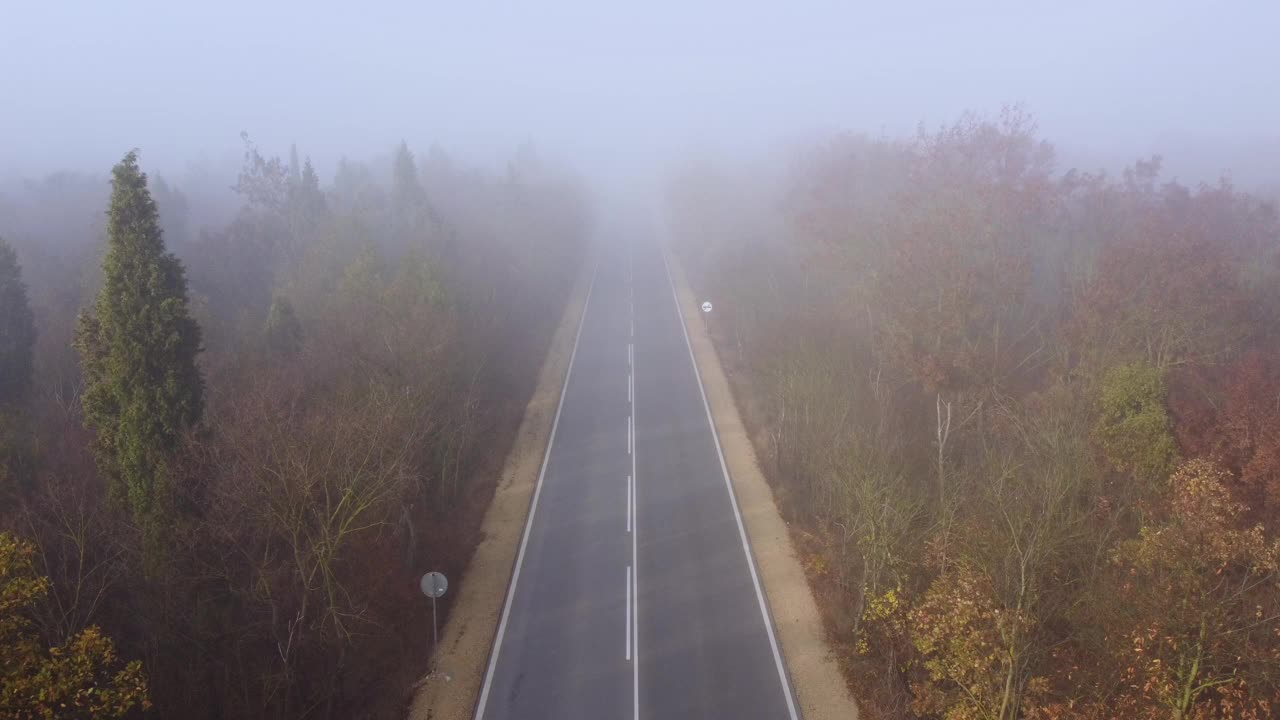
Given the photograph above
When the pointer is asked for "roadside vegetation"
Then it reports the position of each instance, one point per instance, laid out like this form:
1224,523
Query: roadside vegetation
229,449
1024,422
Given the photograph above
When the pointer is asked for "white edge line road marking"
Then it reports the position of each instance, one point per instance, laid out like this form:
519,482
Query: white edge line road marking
533,507
733,499
628,612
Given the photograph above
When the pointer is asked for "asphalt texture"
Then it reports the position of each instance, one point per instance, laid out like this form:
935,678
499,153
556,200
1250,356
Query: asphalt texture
634,594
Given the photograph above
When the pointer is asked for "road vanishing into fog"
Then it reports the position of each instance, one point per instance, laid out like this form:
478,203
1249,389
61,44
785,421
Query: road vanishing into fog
634,593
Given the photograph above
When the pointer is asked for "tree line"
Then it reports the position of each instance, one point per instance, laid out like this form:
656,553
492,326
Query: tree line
1025,422
226,456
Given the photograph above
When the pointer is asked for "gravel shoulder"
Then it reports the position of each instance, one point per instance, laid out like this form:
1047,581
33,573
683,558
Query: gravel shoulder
450,690
819,686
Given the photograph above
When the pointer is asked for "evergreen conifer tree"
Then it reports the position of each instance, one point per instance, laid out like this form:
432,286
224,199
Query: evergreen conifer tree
138,347
17,328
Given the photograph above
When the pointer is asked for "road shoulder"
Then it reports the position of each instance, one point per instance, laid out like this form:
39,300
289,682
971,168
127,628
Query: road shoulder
820,689
450,691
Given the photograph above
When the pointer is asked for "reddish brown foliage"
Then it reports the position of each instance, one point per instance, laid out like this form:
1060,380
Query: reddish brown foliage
1233,413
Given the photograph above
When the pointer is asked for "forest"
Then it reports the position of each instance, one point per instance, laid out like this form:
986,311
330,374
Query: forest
233,434
1023,420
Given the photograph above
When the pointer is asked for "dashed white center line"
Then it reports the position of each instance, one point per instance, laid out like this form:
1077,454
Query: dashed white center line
628,612
633,507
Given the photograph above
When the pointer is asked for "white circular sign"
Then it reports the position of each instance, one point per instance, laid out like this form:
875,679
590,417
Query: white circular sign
706,306
433,584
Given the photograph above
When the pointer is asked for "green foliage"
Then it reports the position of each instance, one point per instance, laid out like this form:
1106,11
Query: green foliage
1134,426
17,328
138,346
82,678
283,331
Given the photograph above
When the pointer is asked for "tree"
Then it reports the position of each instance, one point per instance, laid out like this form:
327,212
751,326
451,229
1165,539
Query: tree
306,206
82,678
263,181
138,346
1134,427
974,650
953,301
295,170
411,213
310,199
1232,413
1198,607
1162,287
283,331
17,328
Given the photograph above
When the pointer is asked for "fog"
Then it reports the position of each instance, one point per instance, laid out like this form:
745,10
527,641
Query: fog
610,89
288,291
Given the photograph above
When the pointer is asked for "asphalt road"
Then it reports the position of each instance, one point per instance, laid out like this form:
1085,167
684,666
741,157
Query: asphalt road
634,595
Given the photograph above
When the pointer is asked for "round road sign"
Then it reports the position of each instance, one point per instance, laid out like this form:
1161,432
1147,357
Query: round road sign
433,584
706,306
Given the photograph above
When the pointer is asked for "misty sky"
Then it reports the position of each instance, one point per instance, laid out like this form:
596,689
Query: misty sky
604,82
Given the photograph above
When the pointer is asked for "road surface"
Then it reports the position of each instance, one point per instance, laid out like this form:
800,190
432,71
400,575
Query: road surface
634,594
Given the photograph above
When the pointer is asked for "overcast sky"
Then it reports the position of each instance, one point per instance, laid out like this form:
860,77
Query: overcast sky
82,81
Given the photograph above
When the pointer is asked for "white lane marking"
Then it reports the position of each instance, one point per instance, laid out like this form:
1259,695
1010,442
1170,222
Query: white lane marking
628,612
733,500
533,508
631,358
629,434
635,564
628,503
631,388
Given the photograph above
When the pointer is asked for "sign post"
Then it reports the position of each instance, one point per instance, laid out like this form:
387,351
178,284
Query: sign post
433,585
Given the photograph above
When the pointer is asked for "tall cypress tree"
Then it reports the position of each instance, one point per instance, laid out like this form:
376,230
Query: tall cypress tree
17,328
411,213
138,346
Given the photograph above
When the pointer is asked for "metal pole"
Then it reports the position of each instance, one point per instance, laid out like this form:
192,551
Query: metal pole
435,638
